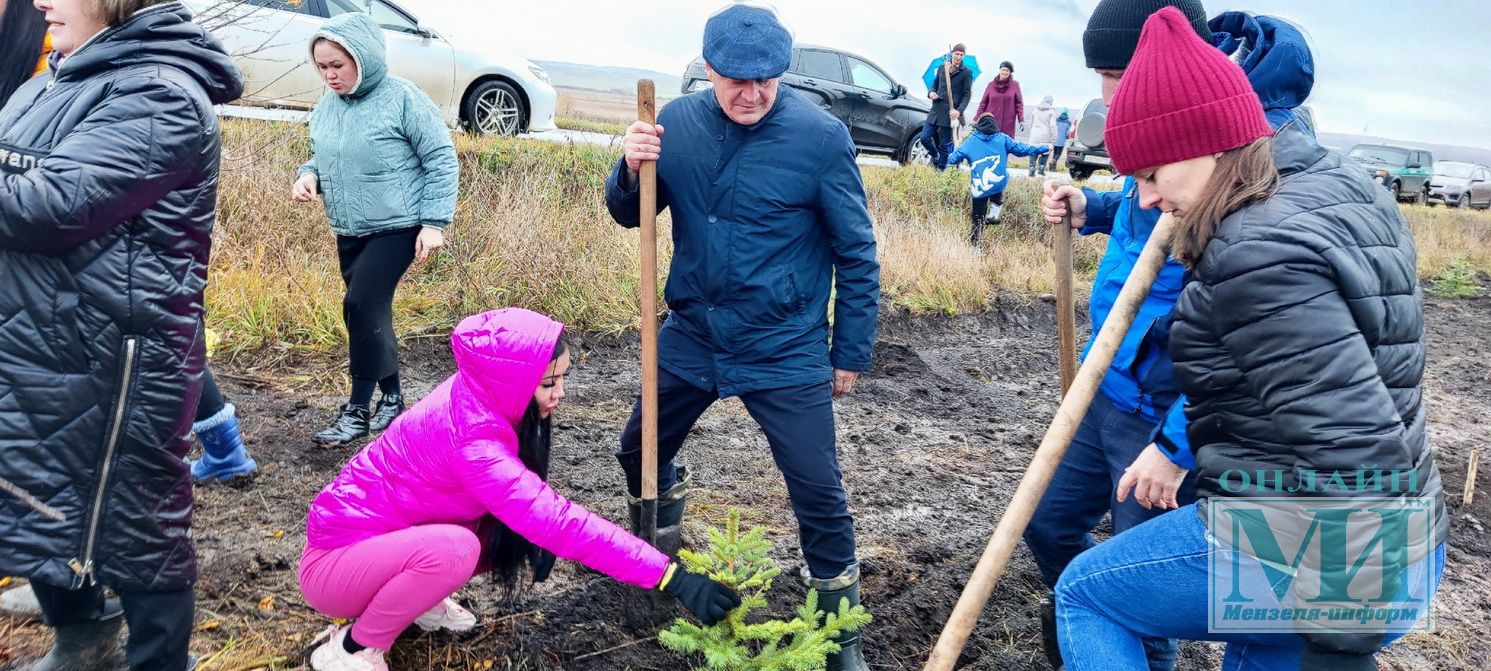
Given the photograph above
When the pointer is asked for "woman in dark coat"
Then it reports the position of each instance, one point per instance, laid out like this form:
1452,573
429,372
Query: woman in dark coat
1299,344
108,185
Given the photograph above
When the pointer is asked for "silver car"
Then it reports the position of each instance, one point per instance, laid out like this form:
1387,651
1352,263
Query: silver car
1460,184
478,86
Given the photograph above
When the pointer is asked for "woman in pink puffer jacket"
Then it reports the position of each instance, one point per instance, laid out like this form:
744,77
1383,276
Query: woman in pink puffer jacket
456,482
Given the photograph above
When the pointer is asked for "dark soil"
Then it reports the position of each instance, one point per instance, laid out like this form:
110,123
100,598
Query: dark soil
932,445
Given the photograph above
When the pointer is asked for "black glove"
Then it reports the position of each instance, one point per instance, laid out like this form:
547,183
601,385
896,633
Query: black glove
706,599
542,562
1321,659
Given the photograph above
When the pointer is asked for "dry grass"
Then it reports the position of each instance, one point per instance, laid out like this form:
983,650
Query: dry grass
532,230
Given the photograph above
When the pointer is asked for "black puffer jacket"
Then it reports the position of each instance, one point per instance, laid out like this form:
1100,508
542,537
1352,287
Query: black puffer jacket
108,189
1300,342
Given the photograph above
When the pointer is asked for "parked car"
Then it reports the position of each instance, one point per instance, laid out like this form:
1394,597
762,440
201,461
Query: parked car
1402,170
1085,153
882,116
477,85
1460,184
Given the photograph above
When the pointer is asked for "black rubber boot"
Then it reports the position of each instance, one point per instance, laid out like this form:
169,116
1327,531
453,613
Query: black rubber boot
351,424
1048,632
831,592
389,407
86,645
670,509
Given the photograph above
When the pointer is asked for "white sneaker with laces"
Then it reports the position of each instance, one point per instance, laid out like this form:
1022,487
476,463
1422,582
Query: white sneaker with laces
332,656
447,615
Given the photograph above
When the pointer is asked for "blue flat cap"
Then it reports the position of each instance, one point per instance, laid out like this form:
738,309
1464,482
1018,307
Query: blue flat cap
747,42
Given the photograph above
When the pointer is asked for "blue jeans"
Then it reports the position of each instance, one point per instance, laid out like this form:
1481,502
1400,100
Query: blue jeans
938,141
1082,491
799,427
1152,582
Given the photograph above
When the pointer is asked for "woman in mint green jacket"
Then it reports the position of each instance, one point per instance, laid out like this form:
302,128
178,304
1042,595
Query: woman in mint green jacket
384,166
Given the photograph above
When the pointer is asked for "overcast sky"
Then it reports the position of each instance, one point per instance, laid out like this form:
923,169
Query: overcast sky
1416,70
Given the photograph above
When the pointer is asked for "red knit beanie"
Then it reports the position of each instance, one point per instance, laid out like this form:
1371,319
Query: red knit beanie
1179,99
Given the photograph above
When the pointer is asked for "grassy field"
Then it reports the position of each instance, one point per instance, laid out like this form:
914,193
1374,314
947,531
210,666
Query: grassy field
532,230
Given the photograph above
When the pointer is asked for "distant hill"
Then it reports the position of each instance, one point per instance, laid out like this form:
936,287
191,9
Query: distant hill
1442,152
608,79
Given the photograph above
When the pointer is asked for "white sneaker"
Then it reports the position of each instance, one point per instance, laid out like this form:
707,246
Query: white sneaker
20,602
331,656
447,615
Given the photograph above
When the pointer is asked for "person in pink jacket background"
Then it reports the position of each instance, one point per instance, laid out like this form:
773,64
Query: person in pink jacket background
456,485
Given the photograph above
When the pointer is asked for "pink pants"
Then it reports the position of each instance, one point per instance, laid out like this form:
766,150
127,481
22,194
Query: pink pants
388,581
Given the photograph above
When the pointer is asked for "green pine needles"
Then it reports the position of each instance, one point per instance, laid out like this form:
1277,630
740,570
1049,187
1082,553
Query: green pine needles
740,561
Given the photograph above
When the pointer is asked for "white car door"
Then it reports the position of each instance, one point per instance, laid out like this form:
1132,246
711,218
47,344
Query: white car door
269,40
414,53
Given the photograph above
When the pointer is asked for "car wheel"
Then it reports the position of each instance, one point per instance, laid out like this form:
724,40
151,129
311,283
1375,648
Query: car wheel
1420,197
1464,202
914,153
1397,190
495,108
1080,174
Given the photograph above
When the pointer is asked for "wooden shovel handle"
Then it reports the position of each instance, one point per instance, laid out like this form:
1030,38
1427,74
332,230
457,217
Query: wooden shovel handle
1043,465
647,176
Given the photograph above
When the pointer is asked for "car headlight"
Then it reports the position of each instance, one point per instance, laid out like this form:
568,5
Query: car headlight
1381,177
701,85
539,72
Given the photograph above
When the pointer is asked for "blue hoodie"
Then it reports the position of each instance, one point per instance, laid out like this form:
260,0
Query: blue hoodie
1141,380
988,154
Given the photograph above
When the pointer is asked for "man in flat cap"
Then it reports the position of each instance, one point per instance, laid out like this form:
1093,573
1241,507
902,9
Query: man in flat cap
769,222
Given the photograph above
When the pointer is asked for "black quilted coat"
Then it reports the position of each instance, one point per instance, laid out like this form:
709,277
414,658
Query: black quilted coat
108,188
1300,342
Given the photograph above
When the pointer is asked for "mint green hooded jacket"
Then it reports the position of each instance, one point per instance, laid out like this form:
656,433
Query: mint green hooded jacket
382,152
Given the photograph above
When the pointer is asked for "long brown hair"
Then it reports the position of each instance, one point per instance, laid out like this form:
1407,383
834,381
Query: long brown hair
1242,176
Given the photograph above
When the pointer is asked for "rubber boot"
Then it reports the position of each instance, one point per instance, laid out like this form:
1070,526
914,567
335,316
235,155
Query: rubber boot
87,645
1049,641
670,509
831,592
223,455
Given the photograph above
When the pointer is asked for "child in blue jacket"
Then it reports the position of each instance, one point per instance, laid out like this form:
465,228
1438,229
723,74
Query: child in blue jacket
987,151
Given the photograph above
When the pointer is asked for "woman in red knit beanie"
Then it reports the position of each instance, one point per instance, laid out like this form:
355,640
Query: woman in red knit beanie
1299,345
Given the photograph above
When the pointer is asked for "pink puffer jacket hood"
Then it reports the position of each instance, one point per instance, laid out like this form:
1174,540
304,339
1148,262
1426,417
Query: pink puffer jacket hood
453,458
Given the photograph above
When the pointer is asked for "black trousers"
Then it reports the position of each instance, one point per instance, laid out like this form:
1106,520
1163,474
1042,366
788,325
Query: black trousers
212,401
372,266
981,210
160,623
799,427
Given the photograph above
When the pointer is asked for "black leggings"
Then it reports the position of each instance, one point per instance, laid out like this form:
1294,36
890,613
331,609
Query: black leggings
372,266
212,401
980,209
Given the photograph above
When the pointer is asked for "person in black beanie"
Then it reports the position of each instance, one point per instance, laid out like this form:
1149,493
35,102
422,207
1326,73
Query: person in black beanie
1113,30
1132,456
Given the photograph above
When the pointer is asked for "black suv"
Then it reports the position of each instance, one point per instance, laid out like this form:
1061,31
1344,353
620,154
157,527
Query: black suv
881,116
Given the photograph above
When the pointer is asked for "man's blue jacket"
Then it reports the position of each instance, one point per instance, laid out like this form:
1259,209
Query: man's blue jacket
769,222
